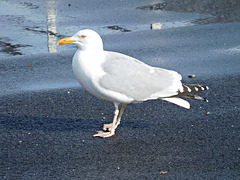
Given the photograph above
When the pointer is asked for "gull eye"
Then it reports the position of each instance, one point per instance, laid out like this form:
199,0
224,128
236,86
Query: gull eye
82,36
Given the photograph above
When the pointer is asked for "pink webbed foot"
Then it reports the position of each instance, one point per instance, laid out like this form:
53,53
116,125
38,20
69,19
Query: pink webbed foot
103,134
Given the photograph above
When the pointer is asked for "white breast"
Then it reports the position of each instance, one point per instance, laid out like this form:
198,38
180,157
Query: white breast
87,69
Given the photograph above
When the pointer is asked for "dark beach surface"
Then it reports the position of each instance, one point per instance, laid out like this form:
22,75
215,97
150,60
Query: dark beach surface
47,120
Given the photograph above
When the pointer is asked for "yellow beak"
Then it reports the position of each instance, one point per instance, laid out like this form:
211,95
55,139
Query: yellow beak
65,41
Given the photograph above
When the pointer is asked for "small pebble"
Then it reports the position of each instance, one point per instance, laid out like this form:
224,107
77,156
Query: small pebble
192,76
163,172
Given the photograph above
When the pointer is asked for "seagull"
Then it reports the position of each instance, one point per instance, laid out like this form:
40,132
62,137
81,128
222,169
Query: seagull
122,79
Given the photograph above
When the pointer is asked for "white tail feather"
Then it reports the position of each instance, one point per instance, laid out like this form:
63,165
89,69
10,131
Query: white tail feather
178,101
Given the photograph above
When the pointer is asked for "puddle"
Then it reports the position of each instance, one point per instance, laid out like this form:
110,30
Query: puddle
53,36
35,27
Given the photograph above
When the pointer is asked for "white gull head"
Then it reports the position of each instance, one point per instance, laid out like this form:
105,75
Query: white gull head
87,40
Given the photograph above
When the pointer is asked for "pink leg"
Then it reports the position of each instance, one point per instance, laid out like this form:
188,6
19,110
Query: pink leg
107,127
112,127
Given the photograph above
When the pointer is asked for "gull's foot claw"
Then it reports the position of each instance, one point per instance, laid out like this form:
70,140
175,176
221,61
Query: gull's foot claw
103,134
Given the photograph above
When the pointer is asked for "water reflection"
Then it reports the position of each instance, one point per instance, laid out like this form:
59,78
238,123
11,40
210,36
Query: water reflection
51,26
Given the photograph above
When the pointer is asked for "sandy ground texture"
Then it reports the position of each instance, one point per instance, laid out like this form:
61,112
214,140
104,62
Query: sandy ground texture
47,120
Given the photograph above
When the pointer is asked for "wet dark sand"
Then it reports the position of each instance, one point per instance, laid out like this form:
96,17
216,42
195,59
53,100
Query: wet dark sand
49,135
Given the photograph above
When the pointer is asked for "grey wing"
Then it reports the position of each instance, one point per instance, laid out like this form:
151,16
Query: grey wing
136,79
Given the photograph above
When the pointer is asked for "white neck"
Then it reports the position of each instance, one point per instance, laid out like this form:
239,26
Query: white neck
90,46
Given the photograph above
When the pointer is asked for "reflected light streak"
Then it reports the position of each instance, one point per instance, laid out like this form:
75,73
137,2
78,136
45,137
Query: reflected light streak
51,26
